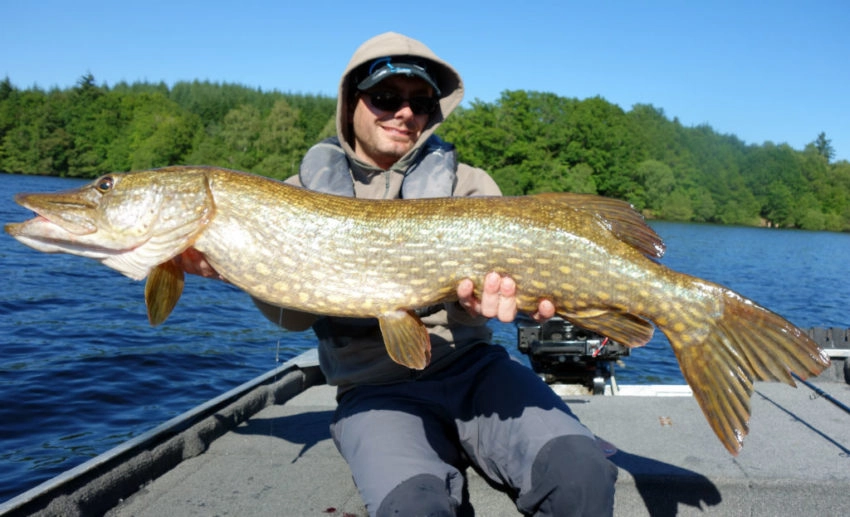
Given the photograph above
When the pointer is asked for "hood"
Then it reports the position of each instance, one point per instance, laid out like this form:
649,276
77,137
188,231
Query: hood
394,44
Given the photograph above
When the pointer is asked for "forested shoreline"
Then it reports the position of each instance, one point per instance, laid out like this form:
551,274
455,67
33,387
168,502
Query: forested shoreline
529,141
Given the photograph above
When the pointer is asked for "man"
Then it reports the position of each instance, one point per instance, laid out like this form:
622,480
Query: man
408,435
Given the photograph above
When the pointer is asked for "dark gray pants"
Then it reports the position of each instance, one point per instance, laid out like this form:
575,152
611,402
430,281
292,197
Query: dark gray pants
407,443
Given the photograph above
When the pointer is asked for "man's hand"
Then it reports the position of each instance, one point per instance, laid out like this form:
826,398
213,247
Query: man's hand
193,262
498,299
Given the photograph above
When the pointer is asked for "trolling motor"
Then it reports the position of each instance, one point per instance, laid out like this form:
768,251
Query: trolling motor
561,352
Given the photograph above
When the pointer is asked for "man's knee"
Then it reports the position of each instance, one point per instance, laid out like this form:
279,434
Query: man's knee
570,476
422,495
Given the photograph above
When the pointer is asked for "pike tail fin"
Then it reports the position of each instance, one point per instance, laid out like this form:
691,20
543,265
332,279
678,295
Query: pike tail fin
745,343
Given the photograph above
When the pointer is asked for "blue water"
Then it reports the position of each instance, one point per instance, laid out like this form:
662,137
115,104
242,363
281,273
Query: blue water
82,371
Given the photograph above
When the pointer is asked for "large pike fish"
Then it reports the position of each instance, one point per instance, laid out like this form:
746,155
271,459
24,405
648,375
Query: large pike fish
592,256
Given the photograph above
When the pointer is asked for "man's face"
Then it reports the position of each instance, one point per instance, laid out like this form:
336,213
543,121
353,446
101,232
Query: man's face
381,137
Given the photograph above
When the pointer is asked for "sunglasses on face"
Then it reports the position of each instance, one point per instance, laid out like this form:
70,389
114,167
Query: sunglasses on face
389,101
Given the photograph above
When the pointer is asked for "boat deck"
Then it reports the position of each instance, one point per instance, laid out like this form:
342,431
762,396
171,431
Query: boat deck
281,461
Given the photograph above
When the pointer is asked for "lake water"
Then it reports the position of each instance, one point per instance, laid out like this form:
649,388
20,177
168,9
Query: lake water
82,371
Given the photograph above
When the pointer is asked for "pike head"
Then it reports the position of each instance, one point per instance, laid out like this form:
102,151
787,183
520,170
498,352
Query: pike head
130,222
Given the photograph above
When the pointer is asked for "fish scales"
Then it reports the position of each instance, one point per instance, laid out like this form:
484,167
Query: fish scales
593,257
446,250
326,240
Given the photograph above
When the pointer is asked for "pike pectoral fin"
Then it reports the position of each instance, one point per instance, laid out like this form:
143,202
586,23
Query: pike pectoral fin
626,329
162,290
406,339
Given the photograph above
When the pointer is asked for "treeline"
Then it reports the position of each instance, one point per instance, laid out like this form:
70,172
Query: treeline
88,130
538,142
529,141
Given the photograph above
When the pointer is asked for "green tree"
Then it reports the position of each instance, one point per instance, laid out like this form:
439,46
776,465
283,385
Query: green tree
37,142
93,119
677,206
580,179
824,146
239,132
281,142
8,95
658,181
705,209
780,207
160,133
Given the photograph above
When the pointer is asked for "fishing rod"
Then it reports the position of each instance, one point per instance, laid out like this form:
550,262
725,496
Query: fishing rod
822,393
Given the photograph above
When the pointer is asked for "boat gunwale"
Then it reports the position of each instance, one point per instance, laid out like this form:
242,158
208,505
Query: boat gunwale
99,484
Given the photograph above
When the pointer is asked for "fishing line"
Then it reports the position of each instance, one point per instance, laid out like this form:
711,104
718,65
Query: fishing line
276,365
822,393
280,325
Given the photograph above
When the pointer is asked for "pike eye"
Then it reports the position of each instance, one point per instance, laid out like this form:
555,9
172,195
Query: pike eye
105,183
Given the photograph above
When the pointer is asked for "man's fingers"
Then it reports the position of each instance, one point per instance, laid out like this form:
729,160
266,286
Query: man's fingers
466,295
490,298
545,310
507,287
498,299
507,300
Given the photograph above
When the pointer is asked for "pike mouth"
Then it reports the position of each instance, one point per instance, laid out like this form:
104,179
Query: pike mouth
42,234
65,213
46,236
59,225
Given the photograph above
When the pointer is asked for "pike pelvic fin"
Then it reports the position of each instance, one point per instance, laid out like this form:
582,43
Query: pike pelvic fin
746,343
162,290
619,217
626,329
406,339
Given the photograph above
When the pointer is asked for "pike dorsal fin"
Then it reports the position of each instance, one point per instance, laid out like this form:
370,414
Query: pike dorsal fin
619,216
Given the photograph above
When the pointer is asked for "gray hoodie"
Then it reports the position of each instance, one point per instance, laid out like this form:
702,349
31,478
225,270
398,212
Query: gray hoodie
351,351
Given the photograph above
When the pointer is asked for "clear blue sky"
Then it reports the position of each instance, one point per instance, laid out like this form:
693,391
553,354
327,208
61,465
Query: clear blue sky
774,71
